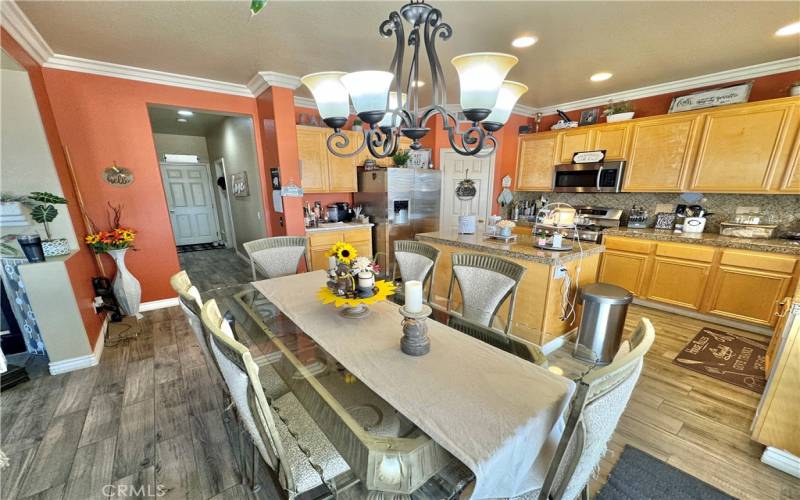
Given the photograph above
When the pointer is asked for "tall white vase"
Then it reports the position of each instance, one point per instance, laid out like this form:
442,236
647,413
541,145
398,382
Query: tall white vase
126,287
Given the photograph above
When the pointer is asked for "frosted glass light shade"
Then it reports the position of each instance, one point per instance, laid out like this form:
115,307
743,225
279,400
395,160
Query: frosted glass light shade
507,98
329,93
480,75
387,118
368,89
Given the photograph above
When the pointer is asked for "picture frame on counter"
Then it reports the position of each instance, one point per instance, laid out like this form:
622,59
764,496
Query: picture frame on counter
665,220
589,116
721,96
419,158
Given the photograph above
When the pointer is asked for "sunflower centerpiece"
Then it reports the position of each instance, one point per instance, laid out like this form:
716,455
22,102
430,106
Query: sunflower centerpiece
351,281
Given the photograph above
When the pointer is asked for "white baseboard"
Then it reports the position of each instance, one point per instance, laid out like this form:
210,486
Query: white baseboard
781,460
72,364
158,304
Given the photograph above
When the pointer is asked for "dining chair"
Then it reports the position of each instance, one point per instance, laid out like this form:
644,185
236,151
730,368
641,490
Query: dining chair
304,460
599,401
416,261
276,256
485,281
191,304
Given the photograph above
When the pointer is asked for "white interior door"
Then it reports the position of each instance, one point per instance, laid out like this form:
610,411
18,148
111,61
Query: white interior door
191,203
456,168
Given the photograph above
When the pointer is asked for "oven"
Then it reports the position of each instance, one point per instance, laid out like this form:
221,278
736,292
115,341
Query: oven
604,177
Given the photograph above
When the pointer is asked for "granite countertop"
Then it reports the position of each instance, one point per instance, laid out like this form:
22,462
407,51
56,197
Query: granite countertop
337,226
710,239
522,248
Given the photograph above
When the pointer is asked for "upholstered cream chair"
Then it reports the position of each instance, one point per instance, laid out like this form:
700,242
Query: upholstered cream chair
599,401
305,462
276,256
484,281
416,261
191,304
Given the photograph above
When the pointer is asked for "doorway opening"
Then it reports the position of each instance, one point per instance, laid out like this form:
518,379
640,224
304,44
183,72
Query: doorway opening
211,178
455,169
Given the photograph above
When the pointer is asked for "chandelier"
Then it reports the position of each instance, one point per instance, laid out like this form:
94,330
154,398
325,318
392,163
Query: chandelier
487,99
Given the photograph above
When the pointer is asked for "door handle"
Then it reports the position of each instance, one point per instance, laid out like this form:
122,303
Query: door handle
172,210
599,171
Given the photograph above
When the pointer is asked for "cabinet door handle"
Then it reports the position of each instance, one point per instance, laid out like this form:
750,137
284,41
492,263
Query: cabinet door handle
782,309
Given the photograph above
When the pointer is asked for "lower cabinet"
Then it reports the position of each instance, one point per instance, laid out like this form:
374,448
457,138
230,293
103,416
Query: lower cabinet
678,282
320,242
738,284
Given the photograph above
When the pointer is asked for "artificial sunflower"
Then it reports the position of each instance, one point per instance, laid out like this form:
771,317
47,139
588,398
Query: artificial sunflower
92,238
346,253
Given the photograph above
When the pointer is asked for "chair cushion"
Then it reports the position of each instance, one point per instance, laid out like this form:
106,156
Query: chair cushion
413,266
276,262
481,292
272,383
299,434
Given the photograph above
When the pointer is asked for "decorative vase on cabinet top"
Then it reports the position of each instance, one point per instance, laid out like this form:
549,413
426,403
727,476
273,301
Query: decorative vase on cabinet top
127,289
620,117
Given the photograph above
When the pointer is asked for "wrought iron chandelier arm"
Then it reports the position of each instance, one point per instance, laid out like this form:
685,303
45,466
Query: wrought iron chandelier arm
394,26
381,143
435,28
338,141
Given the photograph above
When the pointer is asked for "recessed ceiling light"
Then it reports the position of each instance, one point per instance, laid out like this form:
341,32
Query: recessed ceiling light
418,83
182,120
184,112
600,77
791,29
524,41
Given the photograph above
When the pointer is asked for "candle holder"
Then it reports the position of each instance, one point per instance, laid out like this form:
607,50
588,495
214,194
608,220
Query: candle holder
415,341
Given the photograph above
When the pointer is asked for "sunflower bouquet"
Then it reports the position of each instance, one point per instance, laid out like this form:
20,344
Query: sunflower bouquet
351,276
116,239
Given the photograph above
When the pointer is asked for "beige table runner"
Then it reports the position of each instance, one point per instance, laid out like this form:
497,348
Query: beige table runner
493,411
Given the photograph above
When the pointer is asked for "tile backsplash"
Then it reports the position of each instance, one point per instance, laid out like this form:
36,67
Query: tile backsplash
784,209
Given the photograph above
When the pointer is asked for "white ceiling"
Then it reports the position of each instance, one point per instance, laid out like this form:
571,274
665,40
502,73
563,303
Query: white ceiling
642,43
164,120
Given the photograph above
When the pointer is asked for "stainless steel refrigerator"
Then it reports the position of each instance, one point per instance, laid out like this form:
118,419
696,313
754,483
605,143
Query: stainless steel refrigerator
401,202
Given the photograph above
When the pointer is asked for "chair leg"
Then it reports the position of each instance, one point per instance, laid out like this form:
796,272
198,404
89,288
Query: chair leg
585,492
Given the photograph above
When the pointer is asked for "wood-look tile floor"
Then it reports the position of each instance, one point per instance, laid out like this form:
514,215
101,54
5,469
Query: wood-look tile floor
149,415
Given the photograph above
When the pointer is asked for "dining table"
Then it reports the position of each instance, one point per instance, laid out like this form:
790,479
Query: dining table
423,426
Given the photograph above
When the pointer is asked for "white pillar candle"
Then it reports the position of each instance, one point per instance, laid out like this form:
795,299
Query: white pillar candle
332,262
413,293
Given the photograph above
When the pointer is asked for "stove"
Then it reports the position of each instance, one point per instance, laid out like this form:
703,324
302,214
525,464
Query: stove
590,222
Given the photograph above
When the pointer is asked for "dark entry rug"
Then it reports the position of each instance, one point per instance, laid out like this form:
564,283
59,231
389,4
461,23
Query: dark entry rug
727,357
199,247
638,475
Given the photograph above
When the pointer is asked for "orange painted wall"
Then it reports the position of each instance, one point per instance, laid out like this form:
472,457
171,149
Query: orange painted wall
101,120
765,87
81,267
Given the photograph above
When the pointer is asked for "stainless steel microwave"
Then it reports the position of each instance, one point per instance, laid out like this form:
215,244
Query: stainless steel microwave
604,177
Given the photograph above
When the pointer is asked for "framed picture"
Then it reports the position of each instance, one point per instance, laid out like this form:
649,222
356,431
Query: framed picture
733,94
589,117
276,179
239,185
419,158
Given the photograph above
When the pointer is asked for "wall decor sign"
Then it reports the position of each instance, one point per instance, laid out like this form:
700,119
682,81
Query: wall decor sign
589,156
733,94
665,220
276,178
419,158
240,187
117,176
589,117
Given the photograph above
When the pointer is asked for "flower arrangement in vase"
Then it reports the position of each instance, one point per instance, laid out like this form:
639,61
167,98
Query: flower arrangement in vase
506,226
352,281
116,242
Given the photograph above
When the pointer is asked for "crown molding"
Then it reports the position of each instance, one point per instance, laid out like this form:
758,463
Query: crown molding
523,110
263,80
23,31
764,69
304,102
70,63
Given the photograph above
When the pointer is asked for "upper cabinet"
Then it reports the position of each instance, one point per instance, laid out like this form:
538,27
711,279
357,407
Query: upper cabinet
740,148
573,141
313,156
660,153
536,157
743,148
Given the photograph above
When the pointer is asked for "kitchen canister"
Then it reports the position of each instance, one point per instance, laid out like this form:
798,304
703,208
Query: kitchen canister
694,224
467,224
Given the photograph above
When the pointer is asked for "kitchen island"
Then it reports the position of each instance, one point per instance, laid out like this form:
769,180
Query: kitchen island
538,311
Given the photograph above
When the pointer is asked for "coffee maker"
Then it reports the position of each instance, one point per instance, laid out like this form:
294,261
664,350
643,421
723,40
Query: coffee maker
340,212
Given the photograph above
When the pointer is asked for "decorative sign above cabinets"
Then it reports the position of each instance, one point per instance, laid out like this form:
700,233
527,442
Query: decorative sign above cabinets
734,94
589,156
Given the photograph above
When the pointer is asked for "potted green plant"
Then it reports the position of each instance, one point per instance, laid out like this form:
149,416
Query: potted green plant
357,125
618,111
401,158
44,212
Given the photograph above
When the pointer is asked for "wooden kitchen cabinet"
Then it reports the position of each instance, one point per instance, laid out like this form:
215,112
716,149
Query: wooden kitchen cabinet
536,158
624,269
573,141
313,157
342,171
321,241
613,138
790,181
678,282
660,154
739,148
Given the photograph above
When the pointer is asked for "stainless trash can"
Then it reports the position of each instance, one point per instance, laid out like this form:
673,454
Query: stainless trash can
602,322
